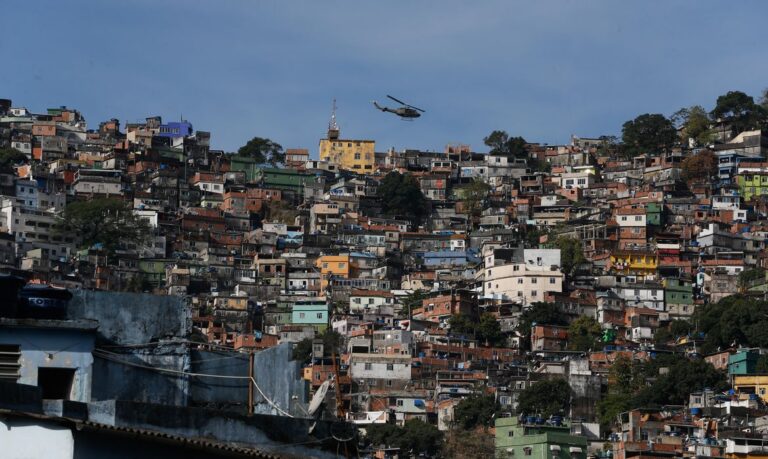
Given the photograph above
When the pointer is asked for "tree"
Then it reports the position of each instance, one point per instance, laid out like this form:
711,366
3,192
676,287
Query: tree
106,222
332,342
415,436
461,444
502,144
740,111
732,321
413,300
571,252
263,151
489,330
667,379
694,124
699,167
648,133
476,411
473,195
747,277
401,195
538,313
461,324
545,398
10,157
584,334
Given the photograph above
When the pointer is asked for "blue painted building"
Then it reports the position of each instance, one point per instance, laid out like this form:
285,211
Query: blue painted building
175,129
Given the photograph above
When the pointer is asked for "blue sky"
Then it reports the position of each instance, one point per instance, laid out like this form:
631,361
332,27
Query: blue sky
540,69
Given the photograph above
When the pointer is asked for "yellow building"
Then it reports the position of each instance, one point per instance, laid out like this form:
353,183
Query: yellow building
752,384
332,265
353,155
636,262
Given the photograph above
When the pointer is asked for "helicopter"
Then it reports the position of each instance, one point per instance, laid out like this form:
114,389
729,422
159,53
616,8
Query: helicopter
406,112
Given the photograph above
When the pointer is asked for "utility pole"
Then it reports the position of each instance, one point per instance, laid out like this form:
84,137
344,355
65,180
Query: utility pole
250,382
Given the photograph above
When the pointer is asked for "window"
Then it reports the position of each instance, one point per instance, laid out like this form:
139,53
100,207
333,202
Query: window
341,265
534,293
527,450
534,280
10,354
623,219
638,218
357,156
520,280
399,403
390,367
510,433
368,366
319,315
55,383
301,315
552,280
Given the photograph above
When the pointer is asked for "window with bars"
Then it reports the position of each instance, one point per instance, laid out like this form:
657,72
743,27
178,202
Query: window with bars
10,366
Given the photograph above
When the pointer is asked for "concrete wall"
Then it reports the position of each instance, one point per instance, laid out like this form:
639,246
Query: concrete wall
117,381
32,439
132,318
280,379
54,348
230,394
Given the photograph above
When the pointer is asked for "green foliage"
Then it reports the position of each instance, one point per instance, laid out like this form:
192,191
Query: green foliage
461,324
263,151
473,195
761,367
108,222
416,436
740,111
571,252
462,444
475,411
676,329
699,167
584,334
694,122
538,313
10,157
332,342
502,144
734,320
401,195
637,384
648,133
413,300
750,275
487,330
532,235
547,397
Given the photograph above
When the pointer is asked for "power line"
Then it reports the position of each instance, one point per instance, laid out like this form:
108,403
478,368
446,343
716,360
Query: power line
112,357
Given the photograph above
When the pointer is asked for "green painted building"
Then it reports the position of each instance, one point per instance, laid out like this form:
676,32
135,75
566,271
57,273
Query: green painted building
311,312
528,439
752,184
245,164
153,270
679,292
284,179
653,213
742,363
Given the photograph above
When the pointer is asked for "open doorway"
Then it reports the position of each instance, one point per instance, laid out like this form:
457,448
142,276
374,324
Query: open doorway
55,383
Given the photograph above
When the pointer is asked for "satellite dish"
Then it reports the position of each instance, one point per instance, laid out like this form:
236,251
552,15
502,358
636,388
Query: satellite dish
319,396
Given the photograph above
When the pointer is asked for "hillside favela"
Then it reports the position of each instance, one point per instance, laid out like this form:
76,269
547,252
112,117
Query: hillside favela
600,298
